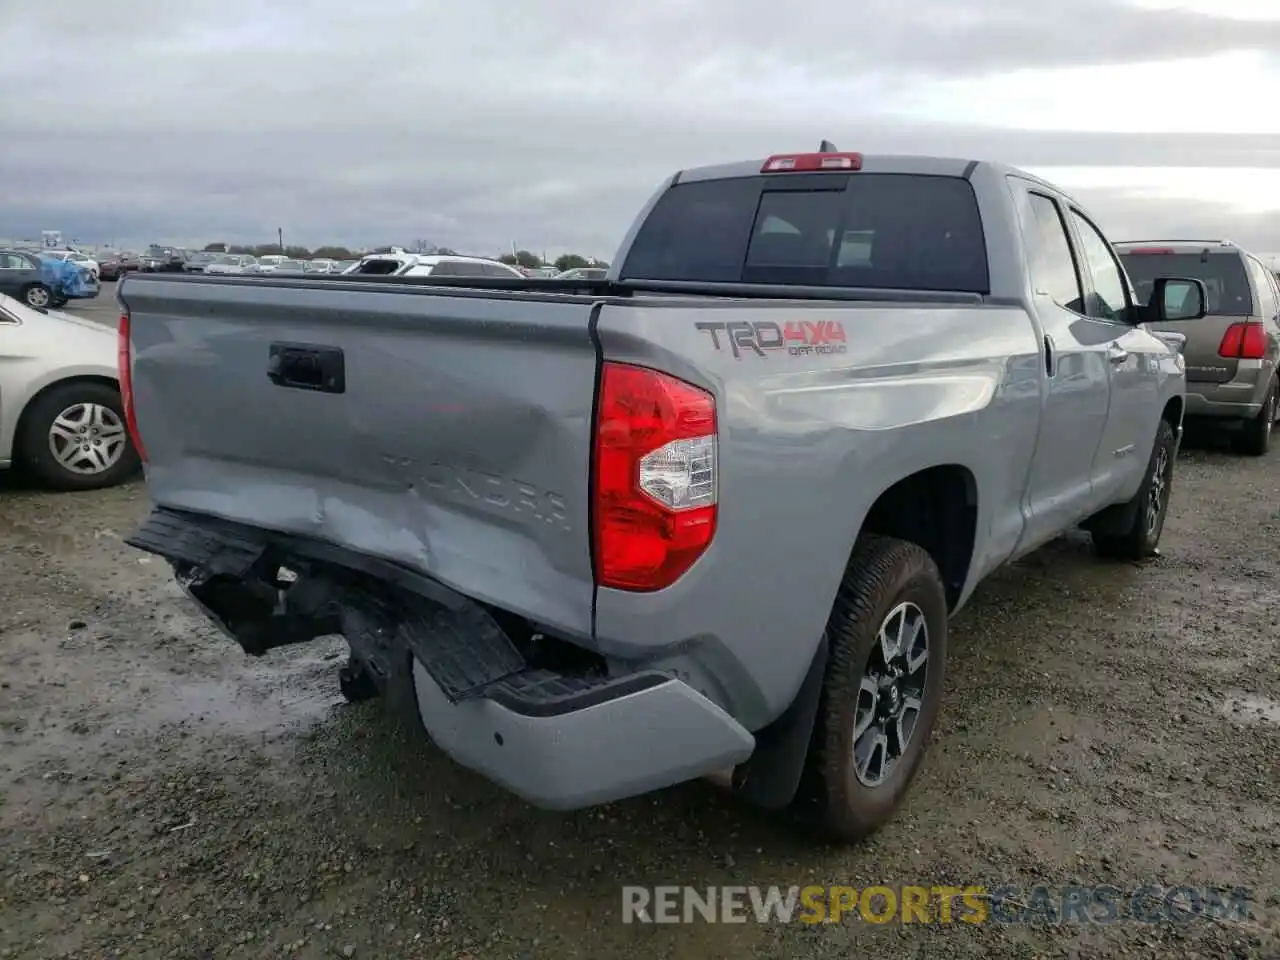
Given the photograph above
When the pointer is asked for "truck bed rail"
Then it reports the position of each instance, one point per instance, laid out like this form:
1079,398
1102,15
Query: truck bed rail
594,289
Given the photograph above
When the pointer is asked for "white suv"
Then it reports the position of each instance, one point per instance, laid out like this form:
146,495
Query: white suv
400,264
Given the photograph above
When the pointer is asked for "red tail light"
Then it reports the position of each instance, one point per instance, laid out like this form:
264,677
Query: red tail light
124,358
1244,341
655,485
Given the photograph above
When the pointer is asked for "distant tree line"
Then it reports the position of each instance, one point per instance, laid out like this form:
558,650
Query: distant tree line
294,253
566,261
521,258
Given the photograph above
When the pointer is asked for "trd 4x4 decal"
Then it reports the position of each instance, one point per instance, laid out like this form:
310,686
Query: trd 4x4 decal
800,338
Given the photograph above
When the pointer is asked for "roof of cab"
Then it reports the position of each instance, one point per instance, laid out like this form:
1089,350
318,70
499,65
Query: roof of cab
871,163
1181,246
880,163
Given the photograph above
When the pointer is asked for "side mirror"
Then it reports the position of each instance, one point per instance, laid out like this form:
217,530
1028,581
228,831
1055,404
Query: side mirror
1176,298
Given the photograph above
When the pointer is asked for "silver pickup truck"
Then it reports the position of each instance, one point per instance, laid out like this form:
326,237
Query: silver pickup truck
706,517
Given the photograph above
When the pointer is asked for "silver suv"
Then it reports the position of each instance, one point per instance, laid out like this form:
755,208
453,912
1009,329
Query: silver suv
1232,352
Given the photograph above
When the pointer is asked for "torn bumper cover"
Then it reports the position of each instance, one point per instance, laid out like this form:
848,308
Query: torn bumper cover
558,740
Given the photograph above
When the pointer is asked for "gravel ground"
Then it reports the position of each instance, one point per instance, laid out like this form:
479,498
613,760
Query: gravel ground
161,795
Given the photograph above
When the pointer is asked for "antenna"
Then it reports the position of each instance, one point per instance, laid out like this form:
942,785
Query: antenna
828,147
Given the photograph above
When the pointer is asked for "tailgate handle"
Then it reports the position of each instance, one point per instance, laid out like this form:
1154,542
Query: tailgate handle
304,366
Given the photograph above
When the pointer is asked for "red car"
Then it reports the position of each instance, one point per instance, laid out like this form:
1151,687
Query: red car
116,267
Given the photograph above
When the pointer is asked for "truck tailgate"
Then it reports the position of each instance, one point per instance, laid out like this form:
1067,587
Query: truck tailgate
441,438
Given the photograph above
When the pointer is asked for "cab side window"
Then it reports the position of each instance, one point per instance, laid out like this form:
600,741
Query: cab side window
1109,300
1052,264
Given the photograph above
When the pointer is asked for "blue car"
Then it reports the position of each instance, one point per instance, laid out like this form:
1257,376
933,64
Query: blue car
67,280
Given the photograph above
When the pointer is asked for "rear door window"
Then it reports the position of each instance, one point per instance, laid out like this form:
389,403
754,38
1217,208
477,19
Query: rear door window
377,268
1054,272
1223,275
457,268
1109,299
879,231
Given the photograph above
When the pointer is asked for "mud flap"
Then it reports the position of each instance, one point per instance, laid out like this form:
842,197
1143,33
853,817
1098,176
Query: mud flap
771,777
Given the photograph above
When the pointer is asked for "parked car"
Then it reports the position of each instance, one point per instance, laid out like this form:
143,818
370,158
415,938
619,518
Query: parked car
293,267
1232,354
583,273
322,266
23,277
159,259
891,367
61,414
401,264
68,280
230,263
82,260
197,262
113,268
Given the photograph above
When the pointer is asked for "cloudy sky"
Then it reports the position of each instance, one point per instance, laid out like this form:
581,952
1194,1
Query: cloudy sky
545,123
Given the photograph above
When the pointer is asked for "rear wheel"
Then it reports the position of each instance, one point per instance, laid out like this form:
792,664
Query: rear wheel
74,437
1142,517
887,638
356,682
1255,437
37,296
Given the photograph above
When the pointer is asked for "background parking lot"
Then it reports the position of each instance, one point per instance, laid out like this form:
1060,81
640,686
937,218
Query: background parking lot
162,795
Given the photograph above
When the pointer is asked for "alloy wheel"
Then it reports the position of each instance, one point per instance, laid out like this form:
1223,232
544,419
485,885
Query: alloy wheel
88,439
891,694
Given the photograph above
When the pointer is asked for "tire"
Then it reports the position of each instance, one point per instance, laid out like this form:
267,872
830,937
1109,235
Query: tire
80,404
1255,436
37,296
1144,520
356,683
887,582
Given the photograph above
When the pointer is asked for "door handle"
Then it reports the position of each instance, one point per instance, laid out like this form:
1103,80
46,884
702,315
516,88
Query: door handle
1117,353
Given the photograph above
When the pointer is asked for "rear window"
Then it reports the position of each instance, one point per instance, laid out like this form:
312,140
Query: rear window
1225,281
880,231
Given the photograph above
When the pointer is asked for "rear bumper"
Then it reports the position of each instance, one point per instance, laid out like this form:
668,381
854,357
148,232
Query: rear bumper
1235,400
560,741
564,759
1199,406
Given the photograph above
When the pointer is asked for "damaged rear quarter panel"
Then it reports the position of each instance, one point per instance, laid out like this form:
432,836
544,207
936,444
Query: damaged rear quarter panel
808,441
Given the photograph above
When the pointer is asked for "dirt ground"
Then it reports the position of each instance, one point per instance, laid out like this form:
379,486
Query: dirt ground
162,795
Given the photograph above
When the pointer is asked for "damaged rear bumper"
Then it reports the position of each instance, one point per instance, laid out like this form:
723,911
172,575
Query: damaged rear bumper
560,740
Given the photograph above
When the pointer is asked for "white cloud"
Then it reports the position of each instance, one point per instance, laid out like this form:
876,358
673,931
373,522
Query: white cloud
1235,9
1238,189
1203,96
